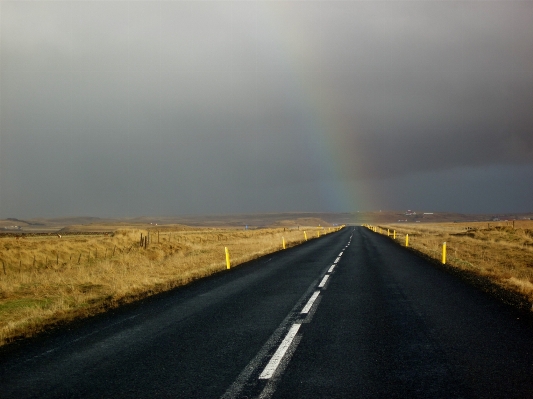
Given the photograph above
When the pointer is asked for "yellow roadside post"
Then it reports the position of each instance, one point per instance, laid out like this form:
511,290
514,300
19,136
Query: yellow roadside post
318,233
283,239
407,240
388,233
305,236
227,258
394,236
444,253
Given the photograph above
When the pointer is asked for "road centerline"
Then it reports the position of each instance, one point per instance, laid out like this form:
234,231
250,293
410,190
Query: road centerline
278,362
323,282
310,303
274,362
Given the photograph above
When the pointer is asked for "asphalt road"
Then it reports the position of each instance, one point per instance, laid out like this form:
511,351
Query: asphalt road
350,315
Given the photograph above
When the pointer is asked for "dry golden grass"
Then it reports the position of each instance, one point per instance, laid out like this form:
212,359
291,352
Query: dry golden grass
496,250
45,280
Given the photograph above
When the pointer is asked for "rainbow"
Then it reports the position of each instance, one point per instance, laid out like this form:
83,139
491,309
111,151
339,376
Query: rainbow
329,139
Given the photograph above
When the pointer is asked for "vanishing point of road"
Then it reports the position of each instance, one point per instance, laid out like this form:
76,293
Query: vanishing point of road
349,315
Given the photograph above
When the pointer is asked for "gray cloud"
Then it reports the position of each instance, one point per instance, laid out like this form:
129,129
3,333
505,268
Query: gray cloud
126,108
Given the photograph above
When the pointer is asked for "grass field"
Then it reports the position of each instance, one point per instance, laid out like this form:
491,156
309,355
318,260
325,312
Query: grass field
500,251
47,279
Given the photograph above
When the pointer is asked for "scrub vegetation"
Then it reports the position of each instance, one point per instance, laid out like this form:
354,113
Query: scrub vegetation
500,251
47,280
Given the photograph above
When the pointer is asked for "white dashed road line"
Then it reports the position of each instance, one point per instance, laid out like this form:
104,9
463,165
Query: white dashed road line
323,282
274,362
309,304
288,344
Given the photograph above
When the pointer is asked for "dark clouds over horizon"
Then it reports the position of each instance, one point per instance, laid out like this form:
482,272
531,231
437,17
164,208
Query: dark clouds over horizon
122,108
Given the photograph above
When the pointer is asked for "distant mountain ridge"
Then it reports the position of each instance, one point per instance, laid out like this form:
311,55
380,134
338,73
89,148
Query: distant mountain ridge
285,219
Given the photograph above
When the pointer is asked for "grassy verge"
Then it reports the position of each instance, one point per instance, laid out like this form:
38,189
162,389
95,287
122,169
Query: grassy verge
499,252
49,280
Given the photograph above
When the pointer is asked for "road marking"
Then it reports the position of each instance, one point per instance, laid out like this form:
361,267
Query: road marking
272,383
341,253
284,351
310,302
308,317
246,374
323,282
336,260
280,352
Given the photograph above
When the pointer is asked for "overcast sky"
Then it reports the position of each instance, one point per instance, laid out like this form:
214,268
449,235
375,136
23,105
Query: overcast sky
130,108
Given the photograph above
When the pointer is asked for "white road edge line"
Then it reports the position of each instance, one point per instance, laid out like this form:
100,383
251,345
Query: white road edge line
323,282
310,302
331,268
280,352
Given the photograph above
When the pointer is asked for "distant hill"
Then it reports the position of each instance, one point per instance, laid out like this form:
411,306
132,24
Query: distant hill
288,219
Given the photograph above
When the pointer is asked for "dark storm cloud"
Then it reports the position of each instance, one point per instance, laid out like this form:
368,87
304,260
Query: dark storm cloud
203,107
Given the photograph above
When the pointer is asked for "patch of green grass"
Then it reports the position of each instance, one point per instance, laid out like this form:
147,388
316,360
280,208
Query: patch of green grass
14,305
